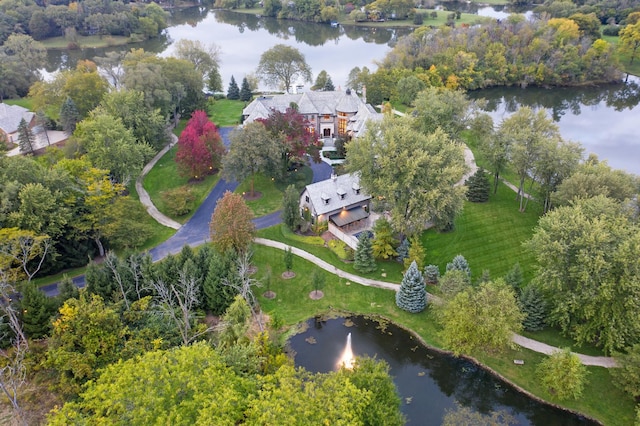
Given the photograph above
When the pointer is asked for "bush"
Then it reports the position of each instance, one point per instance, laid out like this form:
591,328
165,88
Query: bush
611,30
459,263
178,200
342,250
418,19
431,274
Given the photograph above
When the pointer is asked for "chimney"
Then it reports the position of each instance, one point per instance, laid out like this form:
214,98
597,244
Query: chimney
334,176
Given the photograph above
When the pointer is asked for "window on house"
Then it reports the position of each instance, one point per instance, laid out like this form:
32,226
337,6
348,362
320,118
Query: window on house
306,198
358,191
342,196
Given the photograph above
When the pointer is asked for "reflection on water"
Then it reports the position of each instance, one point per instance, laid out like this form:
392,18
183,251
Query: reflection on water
602,118
429,382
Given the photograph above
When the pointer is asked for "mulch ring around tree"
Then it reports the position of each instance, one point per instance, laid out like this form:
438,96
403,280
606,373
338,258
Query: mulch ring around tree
269,295
287,275
248,197
316,295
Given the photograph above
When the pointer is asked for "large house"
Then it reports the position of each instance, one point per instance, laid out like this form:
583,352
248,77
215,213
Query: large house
339,201
10,117
330,114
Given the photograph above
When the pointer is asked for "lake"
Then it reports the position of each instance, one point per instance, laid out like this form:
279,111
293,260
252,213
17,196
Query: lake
429,382
601,118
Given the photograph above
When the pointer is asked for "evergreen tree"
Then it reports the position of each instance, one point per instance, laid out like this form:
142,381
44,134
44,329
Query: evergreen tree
403,250
453,282
412,296
69,116
478,187
99,281
459,263
363,259
514,277
431,274
218,295
245,91
328,85
36,311
534,308
26,137
233,92
66,290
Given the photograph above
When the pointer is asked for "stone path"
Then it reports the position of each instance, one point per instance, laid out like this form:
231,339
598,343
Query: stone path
525,342
145,199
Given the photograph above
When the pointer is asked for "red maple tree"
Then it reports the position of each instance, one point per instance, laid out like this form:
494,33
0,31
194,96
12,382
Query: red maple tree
200,147
292,128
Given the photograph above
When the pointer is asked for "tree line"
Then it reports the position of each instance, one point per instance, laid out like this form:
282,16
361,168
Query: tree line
43,20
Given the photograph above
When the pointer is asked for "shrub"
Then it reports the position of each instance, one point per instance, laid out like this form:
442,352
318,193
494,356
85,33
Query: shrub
418,19
178,200
431,274
611,30
459,263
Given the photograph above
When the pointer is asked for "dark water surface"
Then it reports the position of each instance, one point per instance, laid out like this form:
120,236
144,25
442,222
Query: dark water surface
429,382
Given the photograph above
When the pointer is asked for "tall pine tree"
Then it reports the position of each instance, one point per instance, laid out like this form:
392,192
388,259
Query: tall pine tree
218,294
36,311
363,259
533,307
69,116
245,91
478,187
328,86
233,92
26,138
412,295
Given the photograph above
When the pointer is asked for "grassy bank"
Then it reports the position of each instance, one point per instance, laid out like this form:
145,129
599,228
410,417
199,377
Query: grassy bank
600,400
82,42
625,59
225,112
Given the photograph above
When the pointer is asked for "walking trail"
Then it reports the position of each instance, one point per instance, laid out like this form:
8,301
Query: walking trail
525,342
145,199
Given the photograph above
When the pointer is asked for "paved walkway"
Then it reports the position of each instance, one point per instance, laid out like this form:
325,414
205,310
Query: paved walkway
525,342
144,195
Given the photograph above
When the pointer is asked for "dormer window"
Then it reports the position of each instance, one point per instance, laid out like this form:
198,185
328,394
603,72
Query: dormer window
356,188
341,193
325,198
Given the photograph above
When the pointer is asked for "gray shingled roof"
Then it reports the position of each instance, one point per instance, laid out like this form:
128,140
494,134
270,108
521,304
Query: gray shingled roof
10,116
321,103
331,189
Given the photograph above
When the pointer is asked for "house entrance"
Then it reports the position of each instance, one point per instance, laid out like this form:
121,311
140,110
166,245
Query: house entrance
326,132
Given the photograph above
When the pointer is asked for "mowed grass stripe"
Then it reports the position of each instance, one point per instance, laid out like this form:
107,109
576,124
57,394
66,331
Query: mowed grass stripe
489,235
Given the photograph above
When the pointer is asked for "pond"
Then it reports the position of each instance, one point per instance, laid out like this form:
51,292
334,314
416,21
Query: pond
429,382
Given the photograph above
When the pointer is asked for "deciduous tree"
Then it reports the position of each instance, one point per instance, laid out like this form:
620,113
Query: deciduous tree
415,173
630,40
480,318
252,151
587,255
200,148
291,207
231,224
563,375
282,65
383,243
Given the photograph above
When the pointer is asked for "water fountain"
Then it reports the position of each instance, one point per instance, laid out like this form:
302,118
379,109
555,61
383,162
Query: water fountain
346,359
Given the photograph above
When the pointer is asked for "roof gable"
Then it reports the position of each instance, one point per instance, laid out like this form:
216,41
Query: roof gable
11,115
335,193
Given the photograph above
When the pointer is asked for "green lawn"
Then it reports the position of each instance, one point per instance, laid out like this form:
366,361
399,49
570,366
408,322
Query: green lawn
292,304
489,235
225,112
159,233
86,41
23,102
625,59
164,176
